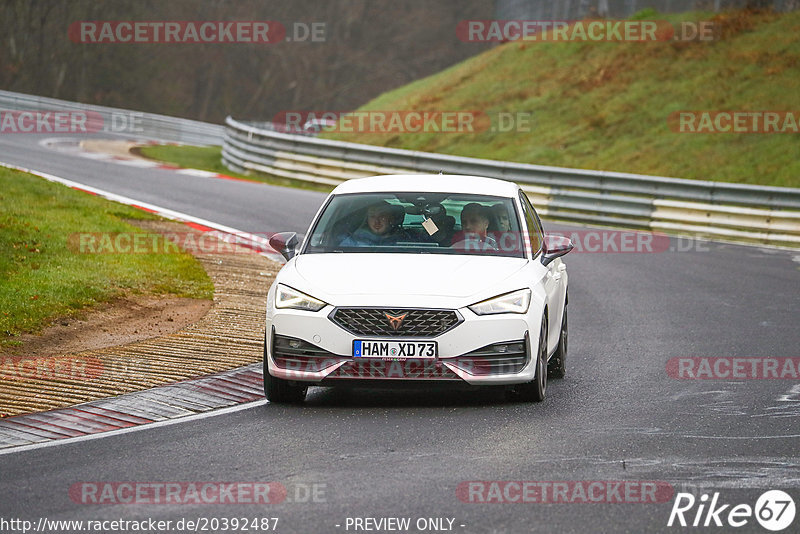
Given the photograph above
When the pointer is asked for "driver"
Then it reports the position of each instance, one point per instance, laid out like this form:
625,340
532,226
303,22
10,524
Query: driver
381,227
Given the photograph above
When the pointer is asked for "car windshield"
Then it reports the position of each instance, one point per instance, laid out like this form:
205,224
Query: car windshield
428,223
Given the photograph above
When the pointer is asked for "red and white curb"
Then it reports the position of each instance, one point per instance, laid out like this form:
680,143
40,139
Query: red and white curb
235,388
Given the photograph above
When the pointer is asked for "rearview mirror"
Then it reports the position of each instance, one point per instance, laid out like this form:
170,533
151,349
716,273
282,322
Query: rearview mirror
285,243
555,246
433,210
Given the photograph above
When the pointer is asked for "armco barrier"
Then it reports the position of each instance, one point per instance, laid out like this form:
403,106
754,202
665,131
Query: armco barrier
769,215
140,125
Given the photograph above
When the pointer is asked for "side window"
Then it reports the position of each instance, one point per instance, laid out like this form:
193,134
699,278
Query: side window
532,221
537,221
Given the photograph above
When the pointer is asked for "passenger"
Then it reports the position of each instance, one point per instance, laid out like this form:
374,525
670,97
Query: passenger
474,227
501,222
381,227
500,229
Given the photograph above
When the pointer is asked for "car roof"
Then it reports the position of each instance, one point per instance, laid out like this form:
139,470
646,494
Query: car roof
434,183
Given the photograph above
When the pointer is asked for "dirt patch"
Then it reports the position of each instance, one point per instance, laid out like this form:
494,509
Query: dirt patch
120,149
121,321
202,338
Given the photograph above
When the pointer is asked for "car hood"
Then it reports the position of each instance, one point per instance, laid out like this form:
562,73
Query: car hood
401,274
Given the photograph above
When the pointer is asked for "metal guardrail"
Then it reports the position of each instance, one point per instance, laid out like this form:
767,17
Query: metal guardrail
136,124
719,210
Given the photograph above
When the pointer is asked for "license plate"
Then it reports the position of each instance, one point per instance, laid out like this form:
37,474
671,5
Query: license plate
394,349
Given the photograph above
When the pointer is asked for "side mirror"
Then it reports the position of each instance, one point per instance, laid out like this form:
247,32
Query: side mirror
555,246
285,243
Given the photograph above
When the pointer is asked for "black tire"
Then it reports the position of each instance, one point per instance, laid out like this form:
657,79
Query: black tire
557,366
278,390
535,390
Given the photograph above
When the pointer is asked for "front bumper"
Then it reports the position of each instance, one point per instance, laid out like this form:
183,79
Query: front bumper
481,350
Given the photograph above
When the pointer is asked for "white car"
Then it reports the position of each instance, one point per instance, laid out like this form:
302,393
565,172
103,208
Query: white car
315,126
418,278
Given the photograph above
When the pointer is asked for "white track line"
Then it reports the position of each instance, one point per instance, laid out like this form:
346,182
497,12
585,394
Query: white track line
137,163
198,172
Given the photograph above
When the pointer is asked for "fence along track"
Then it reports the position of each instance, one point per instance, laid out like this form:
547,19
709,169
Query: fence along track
768,215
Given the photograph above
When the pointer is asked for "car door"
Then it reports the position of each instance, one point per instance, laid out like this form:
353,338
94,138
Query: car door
553,277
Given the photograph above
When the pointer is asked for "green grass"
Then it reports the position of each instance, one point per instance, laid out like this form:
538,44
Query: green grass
604,106
209,158
42,278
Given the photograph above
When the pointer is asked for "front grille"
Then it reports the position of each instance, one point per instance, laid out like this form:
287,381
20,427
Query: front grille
298,355
495,359
412,322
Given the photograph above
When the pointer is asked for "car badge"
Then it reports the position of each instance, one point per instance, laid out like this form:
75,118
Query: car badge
395,320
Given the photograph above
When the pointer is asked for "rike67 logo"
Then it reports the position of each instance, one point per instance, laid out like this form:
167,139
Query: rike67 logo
774,510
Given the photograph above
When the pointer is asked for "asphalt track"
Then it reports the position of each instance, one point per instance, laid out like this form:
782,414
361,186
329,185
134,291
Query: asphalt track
618,416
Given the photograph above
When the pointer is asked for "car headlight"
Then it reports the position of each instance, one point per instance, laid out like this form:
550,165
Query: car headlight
286,297
514,302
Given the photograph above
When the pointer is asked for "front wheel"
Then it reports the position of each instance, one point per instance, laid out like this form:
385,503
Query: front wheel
535,390
278,390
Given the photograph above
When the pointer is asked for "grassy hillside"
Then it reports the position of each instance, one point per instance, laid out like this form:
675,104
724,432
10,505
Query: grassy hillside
605,105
